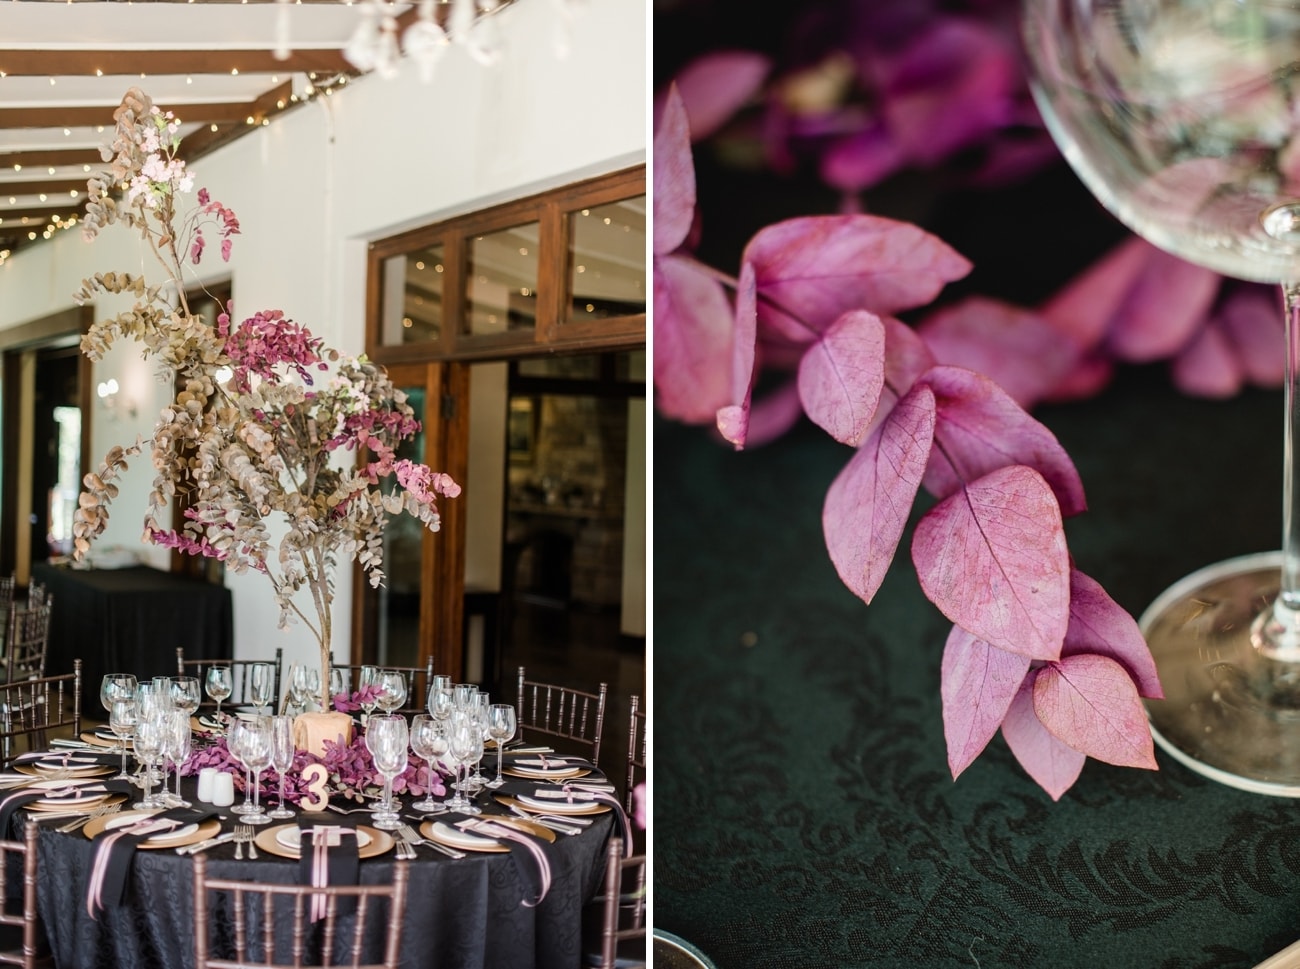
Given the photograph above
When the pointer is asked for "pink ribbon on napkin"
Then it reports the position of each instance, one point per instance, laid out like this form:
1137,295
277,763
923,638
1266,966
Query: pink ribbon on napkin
535,849
104,850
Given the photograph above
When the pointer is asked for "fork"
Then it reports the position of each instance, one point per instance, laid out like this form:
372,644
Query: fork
409,835
98,812
243,835
246,833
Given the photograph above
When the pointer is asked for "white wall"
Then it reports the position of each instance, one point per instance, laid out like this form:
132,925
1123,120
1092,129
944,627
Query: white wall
315,186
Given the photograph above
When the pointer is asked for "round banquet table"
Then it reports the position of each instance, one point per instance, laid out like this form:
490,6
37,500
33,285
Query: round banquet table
460,913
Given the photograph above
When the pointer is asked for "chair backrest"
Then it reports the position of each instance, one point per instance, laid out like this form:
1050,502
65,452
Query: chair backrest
240,678
256,913
36,595
26,641
624,907
418,679
562,711
24,953
30,708
7,585
636,747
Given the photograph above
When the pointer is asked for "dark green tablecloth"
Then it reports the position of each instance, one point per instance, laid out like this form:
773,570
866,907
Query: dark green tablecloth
804,815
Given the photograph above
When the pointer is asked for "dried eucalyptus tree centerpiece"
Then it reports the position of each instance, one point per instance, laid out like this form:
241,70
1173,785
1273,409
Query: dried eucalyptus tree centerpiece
250,452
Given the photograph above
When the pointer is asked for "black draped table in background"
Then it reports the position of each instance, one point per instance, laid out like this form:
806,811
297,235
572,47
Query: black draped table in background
460,913
804,814
132,619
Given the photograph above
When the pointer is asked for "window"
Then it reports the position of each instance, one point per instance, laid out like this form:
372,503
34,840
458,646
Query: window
566,268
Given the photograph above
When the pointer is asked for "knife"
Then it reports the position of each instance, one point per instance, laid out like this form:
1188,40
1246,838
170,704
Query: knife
205,845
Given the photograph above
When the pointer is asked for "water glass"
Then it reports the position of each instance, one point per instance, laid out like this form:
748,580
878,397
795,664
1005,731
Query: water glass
176,748
150,729
261,686
185,694
387,738
501,727
123,714
219,685
429,742
392,690
282,753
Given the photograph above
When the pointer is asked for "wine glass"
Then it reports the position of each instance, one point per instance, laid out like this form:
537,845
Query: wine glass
501,727
282,751
482,703
392,690
176,748
369,678
219,685
428,742
254,752
467,747
185,694
386,739
440,698
122,718
298,686
150,729
261,686
114,687
1182,118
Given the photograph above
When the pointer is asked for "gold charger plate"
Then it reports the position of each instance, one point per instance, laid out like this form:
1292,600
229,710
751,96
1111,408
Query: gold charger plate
90,737
76,772
520,824
380,841
206,829
565,775
83,805
472,841
560,807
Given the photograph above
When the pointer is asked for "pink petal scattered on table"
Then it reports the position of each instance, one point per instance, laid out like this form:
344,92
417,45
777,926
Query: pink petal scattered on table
860,160
1100,626
733,418
1084,307
693,328
980,428
841,376
1055,766
868,503
1090,703
992,557
1168,301
1014,347
817,268
977,684
674,177
1253,319
714,86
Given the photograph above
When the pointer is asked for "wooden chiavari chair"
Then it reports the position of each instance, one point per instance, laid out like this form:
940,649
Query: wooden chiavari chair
27,638
240,678
29,709
635,750
621,941
20,939
562,711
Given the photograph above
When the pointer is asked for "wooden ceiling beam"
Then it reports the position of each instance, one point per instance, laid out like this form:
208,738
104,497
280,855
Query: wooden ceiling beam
83,63
43,216
53,186
268,105
54,156
78,116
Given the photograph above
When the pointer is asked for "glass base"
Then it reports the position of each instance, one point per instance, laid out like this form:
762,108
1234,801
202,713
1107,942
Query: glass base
1230,712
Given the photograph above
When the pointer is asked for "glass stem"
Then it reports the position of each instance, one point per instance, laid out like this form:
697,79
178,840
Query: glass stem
500,744
281,788
256,792
1276,632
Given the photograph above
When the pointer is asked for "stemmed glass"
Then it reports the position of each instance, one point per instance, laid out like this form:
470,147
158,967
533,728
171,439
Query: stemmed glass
369,678
428,742
479,714
392,690
501,727
1182,118
150,730
466,747
185,694
386,739
282,751
123,715
250,741
298,686
440,698
114,687
261,686
153,703
176,748
219,685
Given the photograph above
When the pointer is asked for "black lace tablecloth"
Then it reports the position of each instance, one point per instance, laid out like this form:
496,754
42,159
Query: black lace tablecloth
460,914
804,814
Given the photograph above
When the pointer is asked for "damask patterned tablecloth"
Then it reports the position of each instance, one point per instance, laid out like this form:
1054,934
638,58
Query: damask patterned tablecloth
804,813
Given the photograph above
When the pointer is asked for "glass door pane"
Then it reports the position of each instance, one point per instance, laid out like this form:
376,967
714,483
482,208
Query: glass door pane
397,630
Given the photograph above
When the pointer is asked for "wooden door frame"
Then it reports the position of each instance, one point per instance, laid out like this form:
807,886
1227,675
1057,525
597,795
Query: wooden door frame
442,554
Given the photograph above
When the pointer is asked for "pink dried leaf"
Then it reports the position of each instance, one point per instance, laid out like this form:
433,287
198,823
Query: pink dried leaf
859,160
733,418
980,428
1090,703
1207,366
1169,299
715,86
992,557
674,177
817,268
693,328
868,503
841,376
1098,625
1084,308
977,684
1053,765
771,415
1252,317
1016,348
